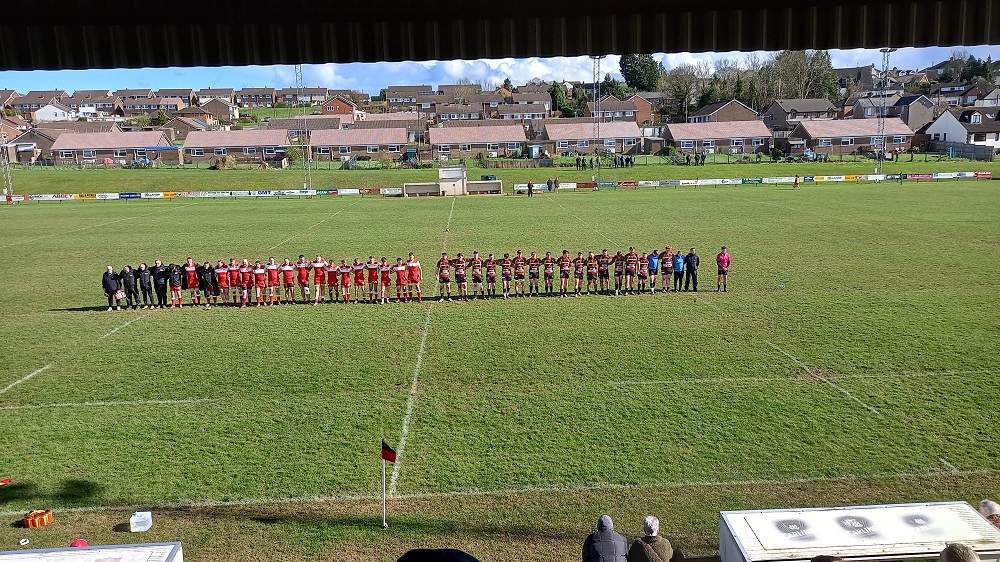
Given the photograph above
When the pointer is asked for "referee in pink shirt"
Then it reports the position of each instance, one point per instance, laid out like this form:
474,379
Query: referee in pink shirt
722,260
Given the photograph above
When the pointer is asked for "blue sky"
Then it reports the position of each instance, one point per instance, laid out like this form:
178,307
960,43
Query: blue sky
370,77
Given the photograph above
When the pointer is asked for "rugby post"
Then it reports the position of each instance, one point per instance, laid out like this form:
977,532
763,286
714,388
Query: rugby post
388,454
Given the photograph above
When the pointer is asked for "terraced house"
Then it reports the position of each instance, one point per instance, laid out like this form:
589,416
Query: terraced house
248,145
339,144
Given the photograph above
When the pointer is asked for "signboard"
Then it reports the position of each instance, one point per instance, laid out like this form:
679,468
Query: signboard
607,184
153,552
835,178
349,191
965,174
628,184
945,175
152,195
391,191
240,193
262,193
86,196
851,178
50,197
669,183
782,179
808,178
984,174
129,195
919,176
648,183
369,191
106,196
753,180
586,185
169,194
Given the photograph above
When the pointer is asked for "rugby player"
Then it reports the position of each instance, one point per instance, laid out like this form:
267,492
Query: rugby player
176,275
414,276
444,277
345,271
619,271
491,276
549,270
246,281
319,279
604,262
565,264
519,263
260,281
579,267
191,280
631,267
654,269
666,268
506,273
222,276
643,273
592,269
332,280
460,263
534,266
371,266
476,270
288,280
234,280
402,281
273,281
359,280
385,280
302,269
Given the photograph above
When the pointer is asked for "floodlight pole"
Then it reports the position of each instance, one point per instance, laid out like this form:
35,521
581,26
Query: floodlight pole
597,112
8,184
303,130
883,86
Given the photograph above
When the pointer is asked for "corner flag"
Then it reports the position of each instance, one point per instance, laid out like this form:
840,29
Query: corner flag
388,453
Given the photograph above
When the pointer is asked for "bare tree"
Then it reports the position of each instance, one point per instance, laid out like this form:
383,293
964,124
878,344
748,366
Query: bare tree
681,85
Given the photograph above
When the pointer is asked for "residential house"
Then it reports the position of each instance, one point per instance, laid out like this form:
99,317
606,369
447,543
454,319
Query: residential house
197,113
134,94
459,111
867,107
77,148
427,104
246,145
974,125
724,137
257,97
186,94
534,97
468,142
35,100
729,110
643,109
406,95
334,144
94,103
343,107
991,99
414,123
305,125
206,95
488,103
33,144
182,126
656,99
83,126
143,106
8,131
850,135
785,114
224,110
915,110
619,137
539,88
952,67
308,96
864,81
459,92
959,94
8,96
634,108
522,111
911,80
359,98
54,111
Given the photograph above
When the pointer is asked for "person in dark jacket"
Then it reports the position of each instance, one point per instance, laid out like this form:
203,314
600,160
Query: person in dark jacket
605,544
691,262
144,276
110,284
128,282
161,277
652,547
208,282
177,285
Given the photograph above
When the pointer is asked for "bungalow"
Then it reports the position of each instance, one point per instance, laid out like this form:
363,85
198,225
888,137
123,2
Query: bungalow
729,137
134,94
330,144
785,114
186,94
613,137
414,123
974,125
54,111
224,110
522,111
723,111
94,103
459,111
247,145
206,95
76,148
467,142
257,97
305,125
33,144
83,126
847,136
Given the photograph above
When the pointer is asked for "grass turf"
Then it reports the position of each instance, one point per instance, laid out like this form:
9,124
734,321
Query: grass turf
852,359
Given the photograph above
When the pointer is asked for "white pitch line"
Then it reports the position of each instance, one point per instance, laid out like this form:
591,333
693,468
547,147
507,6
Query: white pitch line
447,227
697,381
398,465
842,390
103,403
585,223
24,379
515,491
905,375
949,465
92,226
123,326
294,236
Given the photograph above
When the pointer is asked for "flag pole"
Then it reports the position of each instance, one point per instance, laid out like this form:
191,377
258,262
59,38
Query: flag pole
385,525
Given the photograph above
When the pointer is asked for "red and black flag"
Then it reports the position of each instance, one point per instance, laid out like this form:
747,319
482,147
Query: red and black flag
388,453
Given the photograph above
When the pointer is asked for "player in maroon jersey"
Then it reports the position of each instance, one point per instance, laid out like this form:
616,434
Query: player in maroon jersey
461,280
604,262
302,268
414,275
631,268
619,261
643,273
549,271
476,271
579,267
506,274
592,268
444,277
491,276
565,265
520,263
288,280
534,272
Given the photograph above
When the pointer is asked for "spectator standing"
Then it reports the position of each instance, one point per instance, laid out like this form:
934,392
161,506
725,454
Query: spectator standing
144,276
555,184
607,545
691,263
678,260
704,155
111,287
654,269
652,547
722,260
531,188
128,282
161,276
548,185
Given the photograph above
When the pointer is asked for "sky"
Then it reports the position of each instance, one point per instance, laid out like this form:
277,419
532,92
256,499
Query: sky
370,77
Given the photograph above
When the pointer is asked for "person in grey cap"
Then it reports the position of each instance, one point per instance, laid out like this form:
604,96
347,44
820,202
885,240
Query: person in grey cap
652,547
605,544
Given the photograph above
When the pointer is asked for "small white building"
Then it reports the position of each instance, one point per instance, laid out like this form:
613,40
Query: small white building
55,111
971,125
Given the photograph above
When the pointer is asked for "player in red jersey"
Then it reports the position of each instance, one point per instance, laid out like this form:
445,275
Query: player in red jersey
519,263
592,268
414,275
345,271
631,268
385,280
579,266
604,262
565,264
246,281
491,276
506,273
288,281
259,281
234,279
359,279
401,279
444,276
332,280
461,280
302,268
371,266
476,272
549,271
643,273
534,272
191,280
319,279
273,281
222,274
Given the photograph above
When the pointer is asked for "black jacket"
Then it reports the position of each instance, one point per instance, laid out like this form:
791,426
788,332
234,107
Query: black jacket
160,274
110,282
127,279
605,545
145,277
691,262
176,276
207,278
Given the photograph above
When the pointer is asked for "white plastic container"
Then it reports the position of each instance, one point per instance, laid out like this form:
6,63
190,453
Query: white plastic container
140,521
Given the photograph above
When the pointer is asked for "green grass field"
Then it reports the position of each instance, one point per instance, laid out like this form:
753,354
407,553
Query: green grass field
853,361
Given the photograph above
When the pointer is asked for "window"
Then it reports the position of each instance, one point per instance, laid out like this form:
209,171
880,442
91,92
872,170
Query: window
847,142
121,153
824,142
249,150
735,142
877,141
269,150
345,150
372,149
687,144
708,143
140,153
629,142
444,149
757,142
610,142
493,146
582,143
193,152
978,137
90,153
465,147
513,145
869,111
976,118
393,148
562,144
220,151
65,154
454,116
323,150
898,140
629,113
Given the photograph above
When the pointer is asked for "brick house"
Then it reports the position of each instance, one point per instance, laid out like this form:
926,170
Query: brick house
223,110
722,111
722,137
619,137
528,98
414,123
309,96
77,148
612,109
847,136
94,103
186,94
257,97
247,145
340,105
488,103
468,142
35,100
643,109
182,126
522,111
198,113
134,94
305,125
33,144
144,106
206,95
8,96
785,114
459,112
335,144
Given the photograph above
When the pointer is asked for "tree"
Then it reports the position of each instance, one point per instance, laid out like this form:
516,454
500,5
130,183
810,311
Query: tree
559,101
141,120
679,84
161,117
465,89
640,72
610,86
508,85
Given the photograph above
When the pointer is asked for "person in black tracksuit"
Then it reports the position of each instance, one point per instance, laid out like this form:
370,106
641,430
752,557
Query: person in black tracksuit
128,281
161,276
208,282
110,284
691,262
144,276
178,282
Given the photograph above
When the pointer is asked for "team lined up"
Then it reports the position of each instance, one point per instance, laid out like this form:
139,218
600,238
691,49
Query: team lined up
318,281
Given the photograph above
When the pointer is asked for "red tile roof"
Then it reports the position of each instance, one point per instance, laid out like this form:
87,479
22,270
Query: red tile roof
234,139
718,130
358,137
476,135
97,141
578,130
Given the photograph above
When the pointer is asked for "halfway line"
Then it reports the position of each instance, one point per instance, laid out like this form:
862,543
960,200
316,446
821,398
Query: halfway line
398,465
123,326
843,390
109,403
